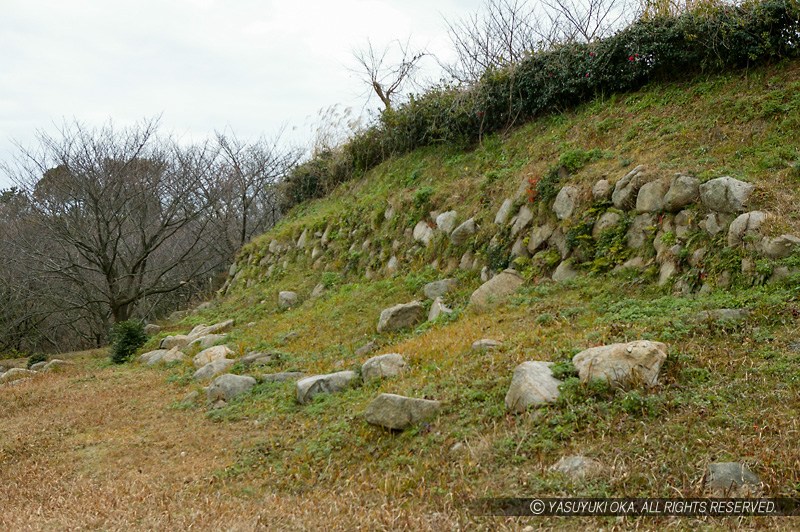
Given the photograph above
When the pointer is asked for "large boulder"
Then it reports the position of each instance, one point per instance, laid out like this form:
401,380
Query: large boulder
730,479
212,369
218,352
423,233
310,387
178,340
396,412
439,288
726,194
287,299
496,290
746,227
601,191
229,386
401,317
780,247
683,191
627,188
651,196
624,364
566,201
447,221
153,357
462,233
533,384
383,366
640,231
607,220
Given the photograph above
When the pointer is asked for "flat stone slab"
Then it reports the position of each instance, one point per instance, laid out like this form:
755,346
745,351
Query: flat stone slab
396,412
533,384
730,479
623,364
310,387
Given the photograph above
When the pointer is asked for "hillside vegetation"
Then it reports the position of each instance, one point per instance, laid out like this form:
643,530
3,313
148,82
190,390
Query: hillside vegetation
122,447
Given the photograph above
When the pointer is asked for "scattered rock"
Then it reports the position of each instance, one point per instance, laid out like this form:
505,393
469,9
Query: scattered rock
780,247
640,231
566,201
208,340
153,357
651,196
392,265
684,224
190,398
558,240
447,221
178,340
173,355
730,479
316,253
229,386
627,188
683,191
564,272
396,412
16,373
437,309
503,213
486,344
519,249
423,233
608,220
283,376
439,288
496,290
601,190
369,347
287,299
715,223
383,366
725,194
467,261
744,226
463,232
257,358
218,352
217,328
533,384
668,270
309,387
631,363
578,467
301,242
523,218
318,291
151,329
212,369
38,366
539,236
401,317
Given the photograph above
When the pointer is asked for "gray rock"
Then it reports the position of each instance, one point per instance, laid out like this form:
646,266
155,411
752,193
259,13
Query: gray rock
318,291
316,253
668,270
369,347
651,196
173,355
564,272
309,387
229,386
326,236
212,369
558,240
256,358
725,194
447,221
396,412
423,233
463,232
287,299
636,263
178,340
730,479
151,329
486,344
467,261
439,288
503,213
283,376
38,366
383,366
437,309
716,222
274,246
578,467
523,218
208,340
15,374
496,290
218,352
217,328
566,201
779,247
392,265
642,227
625,364
602,190
533,384
401,316
519,249
539,236
153,357
684,224
608,220
683,191
627,188
746,227
303,240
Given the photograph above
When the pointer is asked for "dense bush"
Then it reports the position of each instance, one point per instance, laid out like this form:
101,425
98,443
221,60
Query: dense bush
126,337
726,37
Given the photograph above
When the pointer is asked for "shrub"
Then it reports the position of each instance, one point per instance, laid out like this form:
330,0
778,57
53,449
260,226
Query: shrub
126,338
36,358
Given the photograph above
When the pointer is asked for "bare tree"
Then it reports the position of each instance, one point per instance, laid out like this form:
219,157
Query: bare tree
585,20
386,76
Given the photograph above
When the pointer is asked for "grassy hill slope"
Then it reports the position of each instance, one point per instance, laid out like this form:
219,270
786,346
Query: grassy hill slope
123,450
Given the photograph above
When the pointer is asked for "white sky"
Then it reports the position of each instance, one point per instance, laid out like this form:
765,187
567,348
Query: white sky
246,65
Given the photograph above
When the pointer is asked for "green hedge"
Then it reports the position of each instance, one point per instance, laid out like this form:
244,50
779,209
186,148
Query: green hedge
724,38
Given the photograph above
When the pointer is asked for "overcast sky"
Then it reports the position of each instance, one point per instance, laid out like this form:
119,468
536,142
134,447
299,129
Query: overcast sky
244,65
